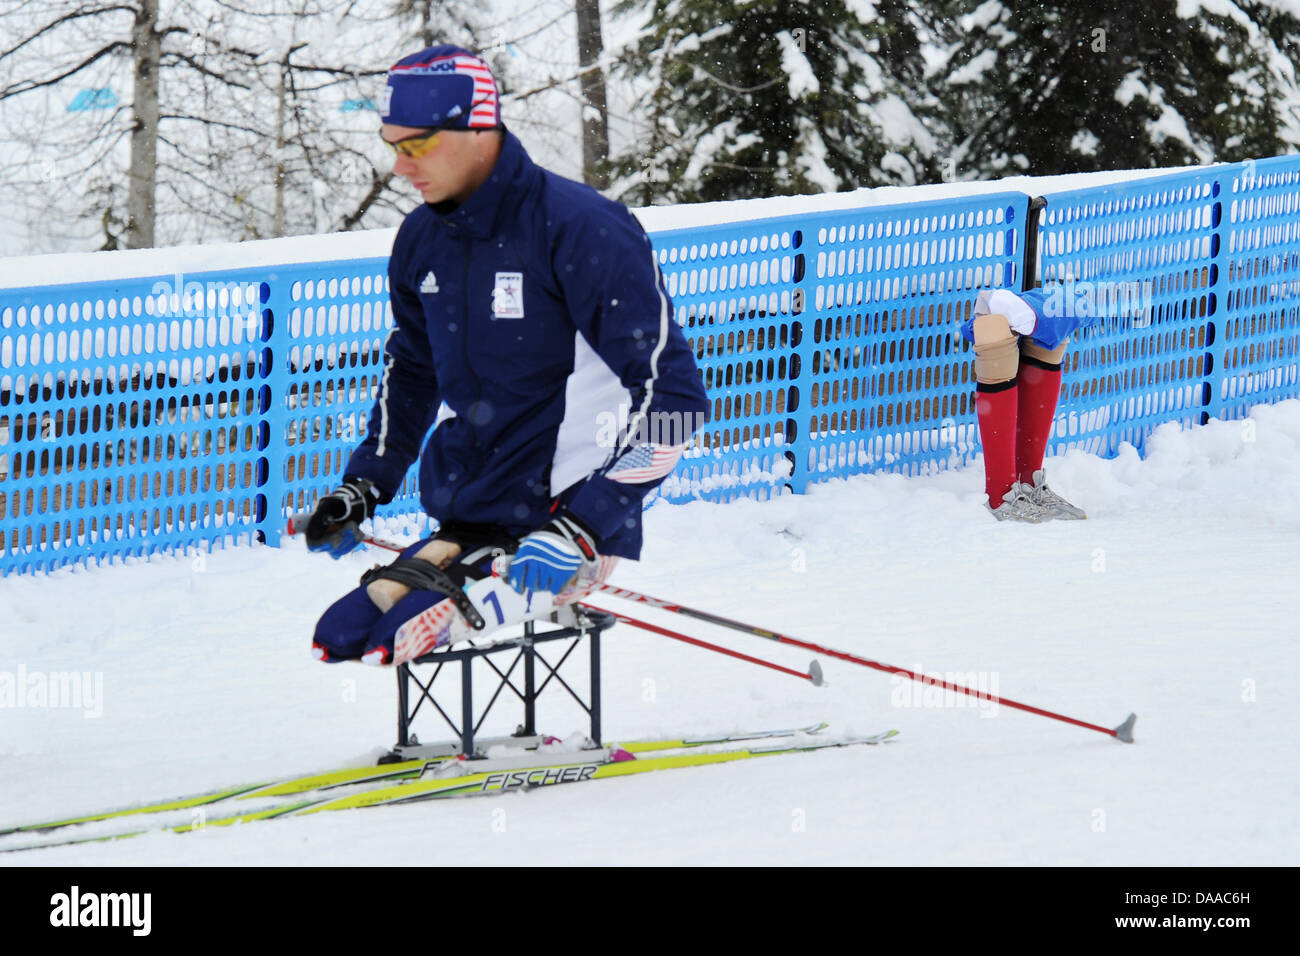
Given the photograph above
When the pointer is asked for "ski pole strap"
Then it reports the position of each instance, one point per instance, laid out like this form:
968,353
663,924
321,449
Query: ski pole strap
424,575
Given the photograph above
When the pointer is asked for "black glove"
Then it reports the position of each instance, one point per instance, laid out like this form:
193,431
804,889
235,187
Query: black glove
335,524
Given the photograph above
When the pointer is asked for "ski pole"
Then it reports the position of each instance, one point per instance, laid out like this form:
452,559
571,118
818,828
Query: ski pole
1123,732
299,521
814,669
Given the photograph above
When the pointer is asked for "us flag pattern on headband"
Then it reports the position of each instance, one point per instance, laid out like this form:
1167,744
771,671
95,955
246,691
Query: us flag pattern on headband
486,109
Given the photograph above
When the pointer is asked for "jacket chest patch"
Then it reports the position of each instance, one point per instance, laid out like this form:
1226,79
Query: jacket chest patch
508,296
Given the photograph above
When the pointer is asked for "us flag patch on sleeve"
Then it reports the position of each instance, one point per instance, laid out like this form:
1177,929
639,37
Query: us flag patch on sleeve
646,462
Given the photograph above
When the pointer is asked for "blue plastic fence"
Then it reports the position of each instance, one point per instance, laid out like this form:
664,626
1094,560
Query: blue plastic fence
1197,278
828,342
180,412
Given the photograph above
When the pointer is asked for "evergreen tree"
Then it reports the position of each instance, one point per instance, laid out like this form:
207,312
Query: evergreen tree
1059,86
774,97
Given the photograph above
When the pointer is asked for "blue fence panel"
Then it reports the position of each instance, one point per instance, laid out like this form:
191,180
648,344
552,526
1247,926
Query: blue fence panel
132,418
330,346
888,378
1141,256
736,293
1258,328
828,342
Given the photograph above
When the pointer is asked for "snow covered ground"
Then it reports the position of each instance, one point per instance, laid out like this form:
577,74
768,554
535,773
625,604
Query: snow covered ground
1177,599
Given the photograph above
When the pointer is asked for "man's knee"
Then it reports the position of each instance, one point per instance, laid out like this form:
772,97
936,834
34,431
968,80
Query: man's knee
383,631
344,629
386,592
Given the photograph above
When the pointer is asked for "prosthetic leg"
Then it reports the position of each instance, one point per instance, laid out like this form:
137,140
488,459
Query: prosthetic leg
997,403
1017,386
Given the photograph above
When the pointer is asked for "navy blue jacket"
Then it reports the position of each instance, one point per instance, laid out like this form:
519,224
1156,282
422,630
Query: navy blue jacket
534,316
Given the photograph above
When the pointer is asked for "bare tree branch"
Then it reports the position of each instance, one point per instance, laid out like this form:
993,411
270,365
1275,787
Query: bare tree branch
66,18
378,185
28,85
173,57
208,121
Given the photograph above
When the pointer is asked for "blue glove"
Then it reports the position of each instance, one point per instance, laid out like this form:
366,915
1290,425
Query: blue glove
335,524
548,558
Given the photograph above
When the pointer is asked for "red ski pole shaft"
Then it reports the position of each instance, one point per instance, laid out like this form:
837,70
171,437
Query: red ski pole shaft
814,671
1123,732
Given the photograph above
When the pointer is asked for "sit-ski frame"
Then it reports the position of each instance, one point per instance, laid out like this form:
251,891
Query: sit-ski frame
590,624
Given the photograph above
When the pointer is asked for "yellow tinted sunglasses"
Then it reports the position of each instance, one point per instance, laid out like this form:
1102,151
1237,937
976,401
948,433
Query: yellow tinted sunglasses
416,145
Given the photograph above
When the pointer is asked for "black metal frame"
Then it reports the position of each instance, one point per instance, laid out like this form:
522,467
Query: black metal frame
1029,272
590,625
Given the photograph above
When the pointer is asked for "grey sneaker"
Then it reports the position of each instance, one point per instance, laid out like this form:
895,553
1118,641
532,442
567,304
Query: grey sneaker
1047,499
1018,506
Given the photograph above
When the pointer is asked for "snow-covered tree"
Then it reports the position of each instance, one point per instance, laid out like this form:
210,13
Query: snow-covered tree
1055,86
431,22
773,97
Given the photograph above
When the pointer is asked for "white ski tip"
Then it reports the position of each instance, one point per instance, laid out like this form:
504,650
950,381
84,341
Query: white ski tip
1124,731
815,673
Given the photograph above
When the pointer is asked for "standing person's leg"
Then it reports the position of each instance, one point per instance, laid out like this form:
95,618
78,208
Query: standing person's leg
1039,388
997,364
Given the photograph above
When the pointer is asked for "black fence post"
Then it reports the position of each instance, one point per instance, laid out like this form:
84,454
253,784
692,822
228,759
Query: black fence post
1029,274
